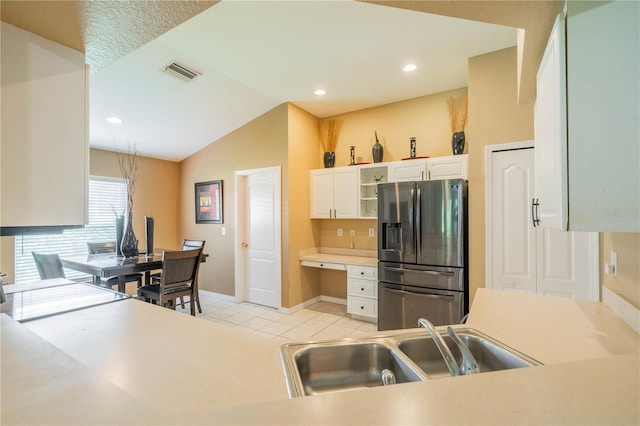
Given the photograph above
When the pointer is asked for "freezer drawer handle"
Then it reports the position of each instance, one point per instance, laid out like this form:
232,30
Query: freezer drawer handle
446,273
430,296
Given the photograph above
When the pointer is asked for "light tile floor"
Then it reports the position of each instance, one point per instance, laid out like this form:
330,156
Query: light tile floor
322,320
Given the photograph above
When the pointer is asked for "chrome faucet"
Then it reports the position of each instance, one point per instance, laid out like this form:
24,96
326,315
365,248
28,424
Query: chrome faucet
468,364
442,346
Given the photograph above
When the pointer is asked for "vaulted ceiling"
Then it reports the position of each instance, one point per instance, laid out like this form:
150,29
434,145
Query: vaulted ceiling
254,55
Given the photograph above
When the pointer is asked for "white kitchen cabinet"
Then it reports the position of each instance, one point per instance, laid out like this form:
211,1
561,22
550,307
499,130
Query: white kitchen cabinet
449,167
362,292
586,120
334,193
44,149
408,170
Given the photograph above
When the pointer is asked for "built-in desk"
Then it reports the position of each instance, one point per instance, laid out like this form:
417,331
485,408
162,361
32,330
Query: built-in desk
362,279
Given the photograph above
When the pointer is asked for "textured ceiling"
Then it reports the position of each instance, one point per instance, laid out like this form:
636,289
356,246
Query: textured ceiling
104,29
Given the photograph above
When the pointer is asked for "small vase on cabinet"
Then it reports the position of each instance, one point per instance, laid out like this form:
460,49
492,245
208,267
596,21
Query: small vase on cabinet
329,159
457,143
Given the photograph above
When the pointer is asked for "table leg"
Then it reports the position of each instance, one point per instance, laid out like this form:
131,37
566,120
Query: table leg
122,284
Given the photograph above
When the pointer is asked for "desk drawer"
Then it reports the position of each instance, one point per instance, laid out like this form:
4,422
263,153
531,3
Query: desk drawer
362,272
323,265
362,288
364,307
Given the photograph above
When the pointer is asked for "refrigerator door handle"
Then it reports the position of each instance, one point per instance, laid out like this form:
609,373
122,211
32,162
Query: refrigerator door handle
428,296
418,225
447,273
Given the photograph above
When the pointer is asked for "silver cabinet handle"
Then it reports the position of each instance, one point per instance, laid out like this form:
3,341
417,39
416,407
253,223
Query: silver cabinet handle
428,296
535,205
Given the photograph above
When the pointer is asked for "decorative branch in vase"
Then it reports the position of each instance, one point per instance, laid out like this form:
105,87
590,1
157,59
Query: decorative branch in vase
129,170
329,134
458,120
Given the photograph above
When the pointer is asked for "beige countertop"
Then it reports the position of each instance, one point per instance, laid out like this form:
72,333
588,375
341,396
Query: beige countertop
128,355
340,256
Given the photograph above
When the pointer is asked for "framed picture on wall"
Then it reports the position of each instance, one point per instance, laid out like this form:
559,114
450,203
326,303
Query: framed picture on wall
209,202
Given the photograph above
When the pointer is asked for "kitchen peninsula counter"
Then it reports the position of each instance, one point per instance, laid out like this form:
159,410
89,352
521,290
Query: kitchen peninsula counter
130,354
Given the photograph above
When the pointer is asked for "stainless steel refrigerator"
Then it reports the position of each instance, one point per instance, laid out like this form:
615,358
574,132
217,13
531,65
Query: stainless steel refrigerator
422,253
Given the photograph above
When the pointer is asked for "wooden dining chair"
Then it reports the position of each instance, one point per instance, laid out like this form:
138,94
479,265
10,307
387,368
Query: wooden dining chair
186,245
178,279
110,247
49,265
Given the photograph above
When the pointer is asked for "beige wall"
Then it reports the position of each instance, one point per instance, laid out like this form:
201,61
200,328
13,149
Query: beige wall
259,143
156,194
627,283
302,233
494,117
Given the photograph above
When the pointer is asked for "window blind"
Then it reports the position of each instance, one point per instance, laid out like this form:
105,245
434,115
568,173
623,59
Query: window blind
107,199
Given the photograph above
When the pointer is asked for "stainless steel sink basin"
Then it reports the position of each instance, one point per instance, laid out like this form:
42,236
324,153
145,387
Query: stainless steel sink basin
338,365
343,365
490,354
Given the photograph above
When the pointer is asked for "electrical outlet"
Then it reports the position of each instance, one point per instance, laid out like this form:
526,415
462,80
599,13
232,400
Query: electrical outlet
223,230
372,232
352,233
339,232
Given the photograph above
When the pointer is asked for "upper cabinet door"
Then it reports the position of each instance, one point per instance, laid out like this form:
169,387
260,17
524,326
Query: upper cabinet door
550,130
321,193
44,132
345,192
449,167
603,91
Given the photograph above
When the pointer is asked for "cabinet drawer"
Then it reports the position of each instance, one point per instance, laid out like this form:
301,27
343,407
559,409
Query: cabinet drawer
324,265
365,307
362,272
362,288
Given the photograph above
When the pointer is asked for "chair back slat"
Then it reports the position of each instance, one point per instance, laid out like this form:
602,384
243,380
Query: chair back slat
49,265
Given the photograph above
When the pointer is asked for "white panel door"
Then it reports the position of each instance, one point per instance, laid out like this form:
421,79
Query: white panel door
532,259
263,231
565,263
514,242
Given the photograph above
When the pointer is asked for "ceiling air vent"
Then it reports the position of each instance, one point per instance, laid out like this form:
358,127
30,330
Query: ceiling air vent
180,71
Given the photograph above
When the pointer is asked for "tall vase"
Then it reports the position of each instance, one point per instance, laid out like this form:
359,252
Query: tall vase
329,159
457,143
129,245
377,152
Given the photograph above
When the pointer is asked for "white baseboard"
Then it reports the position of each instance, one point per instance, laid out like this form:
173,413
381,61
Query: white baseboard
307,303
333,300
219,295
625,310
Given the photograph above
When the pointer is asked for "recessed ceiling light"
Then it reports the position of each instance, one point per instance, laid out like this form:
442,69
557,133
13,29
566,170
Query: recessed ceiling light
409,67
114,120
320,92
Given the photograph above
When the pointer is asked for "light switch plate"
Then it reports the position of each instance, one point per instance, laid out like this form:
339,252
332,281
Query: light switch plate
339,232
372,232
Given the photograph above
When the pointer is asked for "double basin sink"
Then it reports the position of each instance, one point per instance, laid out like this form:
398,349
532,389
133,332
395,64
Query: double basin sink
337,365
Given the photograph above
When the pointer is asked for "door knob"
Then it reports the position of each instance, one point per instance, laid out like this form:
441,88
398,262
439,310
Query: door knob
245,245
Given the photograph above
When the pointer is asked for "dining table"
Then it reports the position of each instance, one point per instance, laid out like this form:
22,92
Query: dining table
108,265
